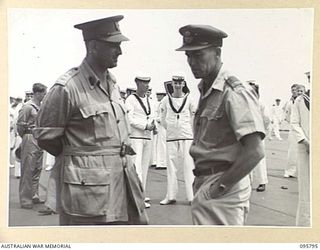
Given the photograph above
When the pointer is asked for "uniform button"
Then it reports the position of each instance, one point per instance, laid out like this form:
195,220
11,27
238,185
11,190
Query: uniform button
83,182
118,120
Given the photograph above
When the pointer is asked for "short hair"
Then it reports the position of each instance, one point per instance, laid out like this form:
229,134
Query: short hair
39,88
278,100
294,85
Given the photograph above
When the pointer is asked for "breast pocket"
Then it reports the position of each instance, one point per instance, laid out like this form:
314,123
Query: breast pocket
102,118
122,117
212,120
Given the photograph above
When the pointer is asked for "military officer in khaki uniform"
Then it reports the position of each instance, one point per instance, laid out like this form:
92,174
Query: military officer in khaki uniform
228,132
31,154
83,123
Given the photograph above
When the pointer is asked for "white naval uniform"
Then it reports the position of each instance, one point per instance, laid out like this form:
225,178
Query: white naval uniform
276,117
140,137
161,148
154,136
260,174
18,140
292,159
179,140
300,122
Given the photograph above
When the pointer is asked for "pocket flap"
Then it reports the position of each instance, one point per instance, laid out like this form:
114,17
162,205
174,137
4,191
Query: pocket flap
86,176
92,110
212,113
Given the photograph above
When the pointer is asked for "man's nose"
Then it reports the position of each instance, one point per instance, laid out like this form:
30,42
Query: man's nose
119,51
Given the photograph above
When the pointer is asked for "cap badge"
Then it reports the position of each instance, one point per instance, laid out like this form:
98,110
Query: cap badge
187,38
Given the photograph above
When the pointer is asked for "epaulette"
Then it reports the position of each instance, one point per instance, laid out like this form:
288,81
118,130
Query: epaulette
62,80
234,83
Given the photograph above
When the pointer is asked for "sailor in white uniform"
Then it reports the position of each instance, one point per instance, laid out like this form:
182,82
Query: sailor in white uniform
161,154
142,121
177,113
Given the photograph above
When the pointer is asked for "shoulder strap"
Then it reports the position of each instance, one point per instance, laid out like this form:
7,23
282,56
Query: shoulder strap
62,80
34,106
233,82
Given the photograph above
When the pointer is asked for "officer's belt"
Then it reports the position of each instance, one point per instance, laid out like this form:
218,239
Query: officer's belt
213,169
92,150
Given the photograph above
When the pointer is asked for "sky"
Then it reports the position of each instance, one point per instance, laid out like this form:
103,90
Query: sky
271,46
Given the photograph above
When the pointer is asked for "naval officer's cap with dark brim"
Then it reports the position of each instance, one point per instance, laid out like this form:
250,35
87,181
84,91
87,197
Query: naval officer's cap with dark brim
197,37
106,29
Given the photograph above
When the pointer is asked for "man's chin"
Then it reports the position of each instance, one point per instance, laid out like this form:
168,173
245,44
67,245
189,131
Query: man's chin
197,74
112,66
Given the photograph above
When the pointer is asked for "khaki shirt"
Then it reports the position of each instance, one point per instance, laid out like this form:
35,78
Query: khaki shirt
225,114
87,118
27,117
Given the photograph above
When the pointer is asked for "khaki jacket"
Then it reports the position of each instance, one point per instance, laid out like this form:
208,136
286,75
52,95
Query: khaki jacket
85,121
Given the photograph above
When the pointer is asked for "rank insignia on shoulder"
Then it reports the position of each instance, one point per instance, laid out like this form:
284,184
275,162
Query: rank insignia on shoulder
62,80
234,83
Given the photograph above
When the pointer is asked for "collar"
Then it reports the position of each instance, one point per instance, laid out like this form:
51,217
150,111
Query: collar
218,83
90,75
32,103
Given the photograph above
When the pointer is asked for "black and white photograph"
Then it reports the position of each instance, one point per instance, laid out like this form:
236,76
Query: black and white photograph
160,117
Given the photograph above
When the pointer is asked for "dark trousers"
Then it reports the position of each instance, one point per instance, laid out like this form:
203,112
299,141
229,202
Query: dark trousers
31,166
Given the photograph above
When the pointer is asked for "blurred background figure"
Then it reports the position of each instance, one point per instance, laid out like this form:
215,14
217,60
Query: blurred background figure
259,175
301,89
52,186
177,113
291,166
141,116
161,136
300,122
276,118
130,91
153,103
31,153
15,139
15,106
28,96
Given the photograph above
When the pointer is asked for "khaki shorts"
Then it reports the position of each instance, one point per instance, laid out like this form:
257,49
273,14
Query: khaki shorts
229,209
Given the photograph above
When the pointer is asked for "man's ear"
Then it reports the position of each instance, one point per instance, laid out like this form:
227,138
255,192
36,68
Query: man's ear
92,47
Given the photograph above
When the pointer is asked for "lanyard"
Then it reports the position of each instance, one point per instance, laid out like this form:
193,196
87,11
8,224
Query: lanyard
306,99
142,104
181,107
